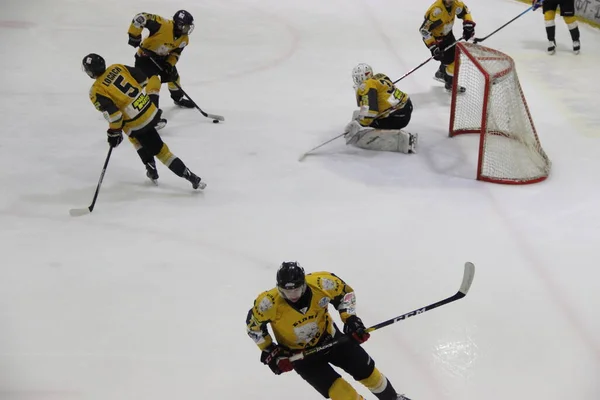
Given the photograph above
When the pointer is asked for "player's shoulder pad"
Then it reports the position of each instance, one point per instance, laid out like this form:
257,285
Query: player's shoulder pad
139,21
325,281
264,305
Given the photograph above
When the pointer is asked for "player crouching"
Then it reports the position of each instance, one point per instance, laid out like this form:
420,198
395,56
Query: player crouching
383,111
297,311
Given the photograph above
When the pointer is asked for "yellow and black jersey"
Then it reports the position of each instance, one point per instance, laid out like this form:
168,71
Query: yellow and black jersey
439,20
295,328
161,40
120,95
380,95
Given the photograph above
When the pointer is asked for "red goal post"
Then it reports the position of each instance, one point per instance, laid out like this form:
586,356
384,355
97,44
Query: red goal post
493,105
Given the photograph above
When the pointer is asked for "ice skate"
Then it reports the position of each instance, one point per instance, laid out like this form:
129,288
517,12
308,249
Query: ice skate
194,180
161,122
152,172
460,89
439,76
552,47
576,46
185,103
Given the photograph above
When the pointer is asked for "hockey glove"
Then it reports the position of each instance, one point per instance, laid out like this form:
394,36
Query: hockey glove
536,4
276,357
115,137
355,328
135,41
170,73
436,51
468,29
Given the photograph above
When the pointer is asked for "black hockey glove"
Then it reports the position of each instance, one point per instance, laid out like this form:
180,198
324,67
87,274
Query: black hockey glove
277,358
468,29
355,328
115,137
436,51
135,40
170,73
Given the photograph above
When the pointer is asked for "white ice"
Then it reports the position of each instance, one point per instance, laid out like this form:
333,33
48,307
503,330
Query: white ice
146,298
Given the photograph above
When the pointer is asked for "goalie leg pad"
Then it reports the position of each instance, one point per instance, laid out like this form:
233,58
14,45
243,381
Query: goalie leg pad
396,140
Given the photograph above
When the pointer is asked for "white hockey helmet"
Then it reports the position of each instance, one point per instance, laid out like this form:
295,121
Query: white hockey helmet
361,72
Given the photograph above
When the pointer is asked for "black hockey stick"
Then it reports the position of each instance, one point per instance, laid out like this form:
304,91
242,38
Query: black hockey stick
462,292
425,62
477,40
78,212
214,117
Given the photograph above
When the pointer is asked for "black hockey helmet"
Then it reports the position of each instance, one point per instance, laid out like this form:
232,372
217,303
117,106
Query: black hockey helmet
291,281
290,275
93,65
183,23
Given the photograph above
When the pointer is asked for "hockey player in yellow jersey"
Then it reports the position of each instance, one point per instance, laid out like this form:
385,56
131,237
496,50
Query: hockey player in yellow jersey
119,93
383,111
166,41
437,34
567,11
297,312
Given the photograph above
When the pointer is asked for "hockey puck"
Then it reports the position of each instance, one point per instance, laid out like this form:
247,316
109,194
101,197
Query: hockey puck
215,121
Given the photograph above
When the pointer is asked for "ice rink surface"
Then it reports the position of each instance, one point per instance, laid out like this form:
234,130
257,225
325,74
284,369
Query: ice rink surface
146,298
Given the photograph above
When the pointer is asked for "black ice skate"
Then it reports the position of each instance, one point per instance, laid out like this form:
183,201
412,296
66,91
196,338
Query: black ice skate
402,397
185,103
152,172
460,89
552,47
439,75
576,46
194,180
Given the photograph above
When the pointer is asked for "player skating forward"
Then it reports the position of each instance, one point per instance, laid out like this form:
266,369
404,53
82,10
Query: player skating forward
438,35
119,92
376,96
164,45
297,311
567,11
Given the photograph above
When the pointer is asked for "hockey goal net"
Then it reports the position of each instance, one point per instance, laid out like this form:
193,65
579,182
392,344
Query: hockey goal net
493,106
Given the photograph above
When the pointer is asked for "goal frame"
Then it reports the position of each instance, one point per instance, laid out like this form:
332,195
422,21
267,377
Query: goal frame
461,48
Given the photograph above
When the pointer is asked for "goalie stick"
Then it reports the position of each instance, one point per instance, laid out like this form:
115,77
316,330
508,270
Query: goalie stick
468,276
78,212
214,117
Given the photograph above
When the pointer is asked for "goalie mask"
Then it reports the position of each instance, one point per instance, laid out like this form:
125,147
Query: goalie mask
93,65
291,282
183,23
361,73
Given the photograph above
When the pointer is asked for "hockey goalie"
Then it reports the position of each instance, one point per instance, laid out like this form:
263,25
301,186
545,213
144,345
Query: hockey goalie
383,112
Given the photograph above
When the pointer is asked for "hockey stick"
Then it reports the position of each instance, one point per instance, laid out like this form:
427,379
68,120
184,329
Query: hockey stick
462,292
214,117
425,62
303,156
477,40
78,212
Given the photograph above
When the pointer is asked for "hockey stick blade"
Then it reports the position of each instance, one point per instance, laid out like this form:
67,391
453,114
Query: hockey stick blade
216,117
467,278
78,212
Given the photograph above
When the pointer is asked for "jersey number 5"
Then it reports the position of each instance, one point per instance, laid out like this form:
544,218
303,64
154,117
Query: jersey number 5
127,89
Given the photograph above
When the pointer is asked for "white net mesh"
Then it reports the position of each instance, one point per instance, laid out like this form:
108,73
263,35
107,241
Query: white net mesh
494,106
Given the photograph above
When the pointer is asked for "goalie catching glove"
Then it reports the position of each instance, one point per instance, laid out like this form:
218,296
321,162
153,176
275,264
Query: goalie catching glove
277,358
